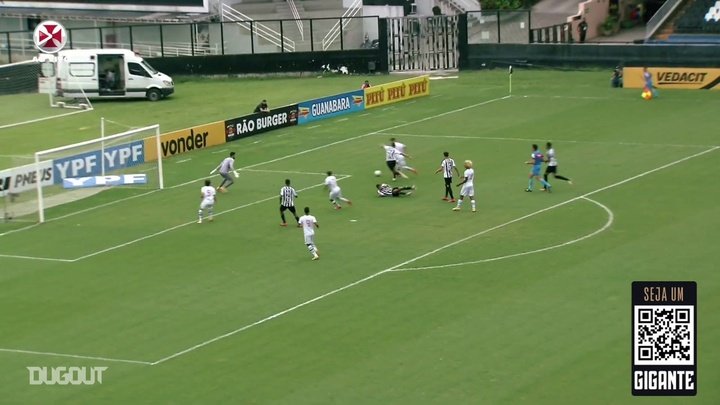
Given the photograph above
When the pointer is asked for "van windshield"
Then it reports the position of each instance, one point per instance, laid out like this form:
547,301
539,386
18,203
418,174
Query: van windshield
148,67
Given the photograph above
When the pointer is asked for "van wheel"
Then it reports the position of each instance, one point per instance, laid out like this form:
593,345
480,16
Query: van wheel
153,95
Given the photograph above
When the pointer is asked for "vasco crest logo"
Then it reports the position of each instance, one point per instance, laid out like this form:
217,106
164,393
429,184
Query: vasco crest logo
50,37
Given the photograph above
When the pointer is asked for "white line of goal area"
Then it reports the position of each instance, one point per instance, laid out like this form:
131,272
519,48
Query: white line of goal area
424,255
497,138
17,124
254,165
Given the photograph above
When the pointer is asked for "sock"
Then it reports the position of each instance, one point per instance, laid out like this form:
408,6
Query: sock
531,183
200,214
222,183
448,191
561,178
459,203
545,176
312,249
472,204
282,216
344,199
210,212
334,203
452,197
545,183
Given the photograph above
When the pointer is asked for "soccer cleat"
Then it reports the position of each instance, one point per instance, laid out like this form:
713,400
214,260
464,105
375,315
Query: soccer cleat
527,190
349,203
543,189
337,207
283,224
315,257
549,189
456,209
444,198
474,210
408,193
412,187
452,200
199,221
570,182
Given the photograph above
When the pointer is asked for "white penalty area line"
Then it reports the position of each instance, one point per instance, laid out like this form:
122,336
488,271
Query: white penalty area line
291,172
75,356
497,138
17,124
37,258
422,256
292,155
608,224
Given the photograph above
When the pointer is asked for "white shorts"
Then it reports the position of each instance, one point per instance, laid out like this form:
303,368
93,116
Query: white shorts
467,190
205,204
401,162
310,239
335,193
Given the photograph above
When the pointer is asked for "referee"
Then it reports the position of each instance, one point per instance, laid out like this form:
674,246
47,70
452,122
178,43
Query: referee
287,202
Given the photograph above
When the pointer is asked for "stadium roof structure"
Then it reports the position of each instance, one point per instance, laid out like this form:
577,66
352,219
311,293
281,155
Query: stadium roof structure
102,15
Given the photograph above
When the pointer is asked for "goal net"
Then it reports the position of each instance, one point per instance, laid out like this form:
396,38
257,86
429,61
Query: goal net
83,176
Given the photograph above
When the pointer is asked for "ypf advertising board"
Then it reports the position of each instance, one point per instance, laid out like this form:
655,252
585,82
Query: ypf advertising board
397,91
331,106
673,78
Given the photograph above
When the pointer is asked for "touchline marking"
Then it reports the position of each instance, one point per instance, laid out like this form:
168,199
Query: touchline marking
343,119
166,230
608,224
496,138
290,172
416,258
184,160
109,203
75,356
314,126
17,124
219,151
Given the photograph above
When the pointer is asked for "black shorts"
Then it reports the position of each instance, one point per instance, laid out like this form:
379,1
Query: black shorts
396,192
391,165
550,169
448,180
283,208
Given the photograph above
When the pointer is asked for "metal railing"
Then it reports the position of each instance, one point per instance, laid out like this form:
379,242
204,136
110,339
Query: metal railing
296,16
261,30
554,34
462,6
339,26
660,16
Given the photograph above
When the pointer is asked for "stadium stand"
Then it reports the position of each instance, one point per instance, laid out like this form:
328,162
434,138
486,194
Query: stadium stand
700,17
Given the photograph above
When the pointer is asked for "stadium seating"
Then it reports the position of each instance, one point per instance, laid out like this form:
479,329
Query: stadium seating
701,17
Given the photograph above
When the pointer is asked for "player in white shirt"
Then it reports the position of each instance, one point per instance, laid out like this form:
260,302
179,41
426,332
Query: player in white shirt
207,201
401,162
552,165
308,224
468,188
391,156
335,192
225,168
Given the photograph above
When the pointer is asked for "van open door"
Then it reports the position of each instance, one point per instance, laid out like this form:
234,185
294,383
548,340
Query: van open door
111,75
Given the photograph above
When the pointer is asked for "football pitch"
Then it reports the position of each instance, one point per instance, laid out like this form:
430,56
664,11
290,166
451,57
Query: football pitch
525,301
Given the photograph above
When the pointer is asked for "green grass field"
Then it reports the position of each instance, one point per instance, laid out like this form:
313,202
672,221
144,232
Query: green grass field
525,301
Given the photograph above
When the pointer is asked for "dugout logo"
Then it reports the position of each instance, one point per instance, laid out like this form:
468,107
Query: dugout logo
50,37
664,338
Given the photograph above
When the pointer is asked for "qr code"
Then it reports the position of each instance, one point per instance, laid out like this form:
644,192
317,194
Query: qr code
664,335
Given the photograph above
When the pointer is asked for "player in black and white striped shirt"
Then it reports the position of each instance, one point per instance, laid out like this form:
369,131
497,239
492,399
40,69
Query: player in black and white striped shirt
287,202
446,167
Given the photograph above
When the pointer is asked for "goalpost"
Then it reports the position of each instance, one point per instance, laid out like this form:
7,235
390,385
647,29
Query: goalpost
82,176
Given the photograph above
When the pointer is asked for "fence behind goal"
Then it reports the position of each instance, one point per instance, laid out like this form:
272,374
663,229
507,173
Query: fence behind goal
75,178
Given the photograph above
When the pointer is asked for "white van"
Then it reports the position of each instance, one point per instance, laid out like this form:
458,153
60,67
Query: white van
103,73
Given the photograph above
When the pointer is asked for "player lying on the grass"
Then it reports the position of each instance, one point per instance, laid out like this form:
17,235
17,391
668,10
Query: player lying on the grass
446,167
335,192
401,162
384,190
536,160
391,155
207,201
468,188
309,223
287,202
552,165
226,167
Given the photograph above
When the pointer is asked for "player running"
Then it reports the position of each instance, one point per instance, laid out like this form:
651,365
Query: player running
536,161
384,190
309,223
401,162
446,167
391,155
225,167
287,202
468,189
648,80
335,192
207,201
552,165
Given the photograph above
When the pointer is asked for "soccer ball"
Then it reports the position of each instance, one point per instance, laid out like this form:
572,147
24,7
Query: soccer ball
377,173
646,95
